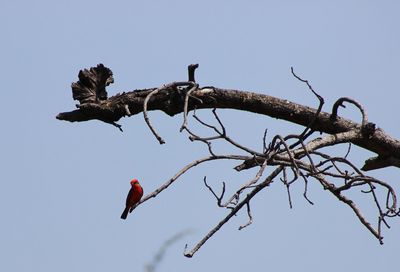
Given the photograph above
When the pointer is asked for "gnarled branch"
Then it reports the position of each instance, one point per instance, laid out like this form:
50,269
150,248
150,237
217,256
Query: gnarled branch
171,101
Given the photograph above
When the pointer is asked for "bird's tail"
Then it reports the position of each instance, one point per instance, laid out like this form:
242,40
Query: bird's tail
124,214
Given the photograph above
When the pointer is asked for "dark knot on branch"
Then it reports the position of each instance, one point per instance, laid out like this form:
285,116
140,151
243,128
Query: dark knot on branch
91,86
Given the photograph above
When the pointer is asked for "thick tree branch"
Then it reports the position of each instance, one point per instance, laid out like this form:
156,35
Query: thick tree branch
171,100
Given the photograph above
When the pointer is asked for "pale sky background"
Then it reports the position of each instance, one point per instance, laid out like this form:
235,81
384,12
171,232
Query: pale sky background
63,185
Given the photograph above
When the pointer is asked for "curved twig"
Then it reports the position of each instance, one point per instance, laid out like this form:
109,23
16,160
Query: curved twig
146,118
250,217
305,134
186,104
340,101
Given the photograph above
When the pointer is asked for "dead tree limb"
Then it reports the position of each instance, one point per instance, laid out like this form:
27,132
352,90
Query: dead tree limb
294,158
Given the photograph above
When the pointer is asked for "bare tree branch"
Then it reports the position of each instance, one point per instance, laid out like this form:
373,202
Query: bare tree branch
258,188
296,158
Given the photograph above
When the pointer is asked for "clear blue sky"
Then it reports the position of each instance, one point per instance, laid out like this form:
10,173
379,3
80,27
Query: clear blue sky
63,185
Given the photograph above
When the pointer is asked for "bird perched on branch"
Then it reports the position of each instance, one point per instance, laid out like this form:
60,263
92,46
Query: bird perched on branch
134,196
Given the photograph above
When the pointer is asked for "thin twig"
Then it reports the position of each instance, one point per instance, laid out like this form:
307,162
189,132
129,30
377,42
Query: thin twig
289,196
287,185
353,206
250,217
218,198
248,184
306,189
265,148
146,118
146,101
185,169
186,105
305,134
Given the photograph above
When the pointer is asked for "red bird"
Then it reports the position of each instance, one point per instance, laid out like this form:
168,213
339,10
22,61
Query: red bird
134,196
